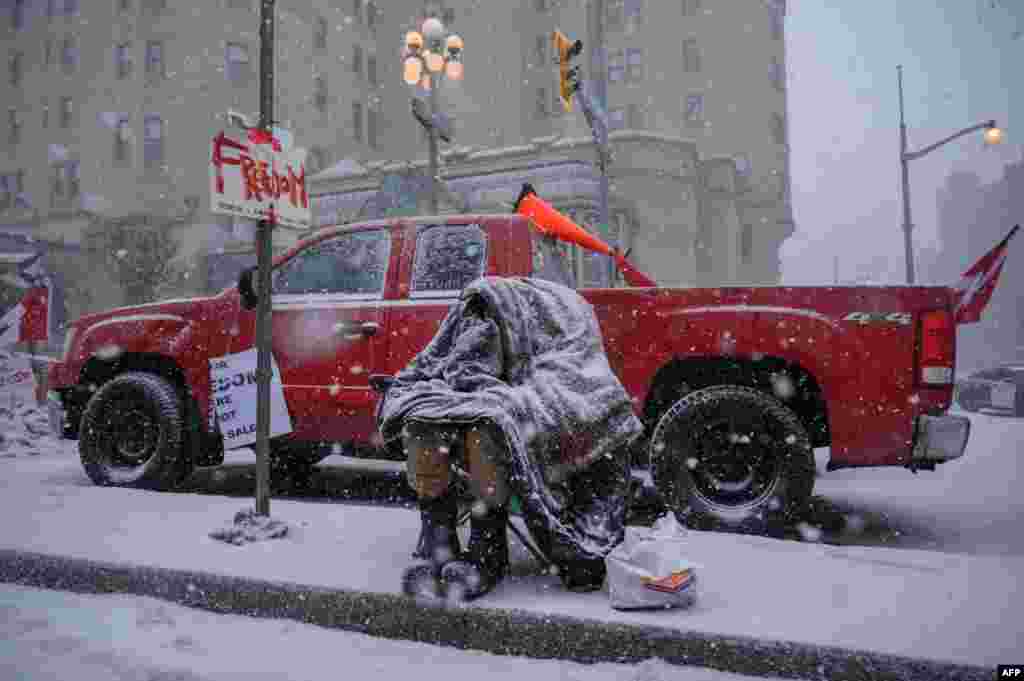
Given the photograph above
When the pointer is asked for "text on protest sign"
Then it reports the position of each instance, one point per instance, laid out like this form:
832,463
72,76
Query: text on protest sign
233,398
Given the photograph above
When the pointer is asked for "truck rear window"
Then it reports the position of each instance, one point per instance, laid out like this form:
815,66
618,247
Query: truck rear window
448,257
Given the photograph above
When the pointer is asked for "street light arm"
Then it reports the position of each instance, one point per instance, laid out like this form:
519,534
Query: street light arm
911,155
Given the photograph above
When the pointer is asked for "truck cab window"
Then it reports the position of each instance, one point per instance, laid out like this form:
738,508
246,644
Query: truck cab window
354,263
550,261
448,257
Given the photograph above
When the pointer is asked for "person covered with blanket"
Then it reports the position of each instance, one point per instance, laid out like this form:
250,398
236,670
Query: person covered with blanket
516,391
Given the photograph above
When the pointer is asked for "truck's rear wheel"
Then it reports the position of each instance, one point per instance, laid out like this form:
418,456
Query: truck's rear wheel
732,458
132,434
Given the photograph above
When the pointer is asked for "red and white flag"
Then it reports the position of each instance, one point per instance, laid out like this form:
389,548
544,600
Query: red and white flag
977,284
26,322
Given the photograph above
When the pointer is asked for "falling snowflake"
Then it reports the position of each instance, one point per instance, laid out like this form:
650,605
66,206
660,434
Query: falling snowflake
809,532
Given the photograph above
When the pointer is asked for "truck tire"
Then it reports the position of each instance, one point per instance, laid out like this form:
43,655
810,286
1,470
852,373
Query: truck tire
733,458
132,434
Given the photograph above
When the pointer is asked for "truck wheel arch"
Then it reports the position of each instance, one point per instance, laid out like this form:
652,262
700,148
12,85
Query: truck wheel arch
683,375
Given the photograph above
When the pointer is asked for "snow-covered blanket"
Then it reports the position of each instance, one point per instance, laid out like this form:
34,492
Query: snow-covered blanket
527,355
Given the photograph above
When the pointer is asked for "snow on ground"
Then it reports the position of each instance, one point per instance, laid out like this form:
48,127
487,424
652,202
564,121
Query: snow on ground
945,606
56,636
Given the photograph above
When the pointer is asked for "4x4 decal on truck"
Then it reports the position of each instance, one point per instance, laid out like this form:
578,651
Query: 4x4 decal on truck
902,318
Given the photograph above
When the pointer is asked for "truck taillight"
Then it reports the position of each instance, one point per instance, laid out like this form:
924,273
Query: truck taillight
936,347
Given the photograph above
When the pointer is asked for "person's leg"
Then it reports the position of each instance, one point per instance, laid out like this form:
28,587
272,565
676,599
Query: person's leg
485,561
428,470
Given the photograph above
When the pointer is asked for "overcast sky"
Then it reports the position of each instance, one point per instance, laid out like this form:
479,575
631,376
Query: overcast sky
961,65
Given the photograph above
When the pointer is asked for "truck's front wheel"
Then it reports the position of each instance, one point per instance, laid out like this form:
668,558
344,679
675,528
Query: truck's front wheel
132,433
732,458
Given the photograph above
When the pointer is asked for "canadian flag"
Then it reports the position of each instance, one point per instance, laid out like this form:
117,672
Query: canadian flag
26,322
977,284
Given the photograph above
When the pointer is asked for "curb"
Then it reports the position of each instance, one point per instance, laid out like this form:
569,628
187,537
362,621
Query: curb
503,632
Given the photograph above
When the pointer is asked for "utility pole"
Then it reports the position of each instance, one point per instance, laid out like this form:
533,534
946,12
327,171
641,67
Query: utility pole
908,248
263,260
435,165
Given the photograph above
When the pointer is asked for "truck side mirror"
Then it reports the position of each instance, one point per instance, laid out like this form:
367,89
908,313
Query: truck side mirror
246,288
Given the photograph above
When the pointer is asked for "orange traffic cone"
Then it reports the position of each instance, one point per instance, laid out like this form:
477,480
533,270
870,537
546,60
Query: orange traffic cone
550,221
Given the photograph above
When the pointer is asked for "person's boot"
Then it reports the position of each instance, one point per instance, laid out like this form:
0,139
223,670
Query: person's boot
485,562
437,545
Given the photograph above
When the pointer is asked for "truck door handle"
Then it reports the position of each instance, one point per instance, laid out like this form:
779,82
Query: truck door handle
357,328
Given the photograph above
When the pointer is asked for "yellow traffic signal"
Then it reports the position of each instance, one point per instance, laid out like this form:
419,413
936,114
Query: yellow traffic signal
568,76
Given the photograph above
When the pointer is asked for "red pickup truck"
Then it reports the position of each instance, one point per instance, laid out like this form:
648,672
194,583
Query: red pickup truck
734,385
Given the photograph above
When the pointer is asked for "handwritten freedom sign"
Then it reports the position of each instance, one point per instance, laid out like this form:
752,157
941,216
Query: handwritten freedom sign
233,379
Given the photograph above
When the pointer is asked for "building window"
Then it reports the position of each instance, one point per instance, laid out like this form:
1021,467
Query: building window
122,140
69,54
357,121
371,16
45,107
16,68
12,189
634,14
357,11
236,63
691,8
635,117
746,243
66,181
123,60
357,60
18,15
320,93
153,142
777,73
691,56
320,34
778,129
744,170
67,112
777,18
695,109
155,60
616,119
615,13
13,126
634,64
616,66
540,51
540,103
371,70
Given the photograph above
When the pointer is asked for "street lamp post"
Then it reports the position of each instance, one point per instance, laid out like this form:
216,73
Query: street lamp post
429,56
993,135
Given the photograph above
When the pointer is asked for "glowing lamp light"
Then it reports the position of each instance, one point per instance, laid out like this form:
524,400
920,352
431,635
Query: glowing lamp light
454,44
412,70
993,135
414,41
435,62
453,70
433,29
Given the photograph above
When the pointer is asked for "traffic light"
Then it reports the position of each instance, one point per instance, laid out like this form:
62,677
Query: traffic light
568,76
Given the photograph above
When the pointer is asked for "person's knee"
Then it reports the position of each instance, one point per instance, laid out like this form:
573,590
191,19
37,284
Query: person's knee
486,461
428,462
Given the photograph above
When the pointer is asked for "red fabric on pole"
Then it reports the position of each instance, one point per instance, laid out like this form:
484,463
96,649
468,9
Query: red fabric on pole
34,320
977,284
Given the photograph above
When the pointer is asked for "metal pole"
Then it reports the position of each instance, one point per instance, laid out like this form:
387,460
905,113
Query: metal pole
435,82
908,225
263,260
599,76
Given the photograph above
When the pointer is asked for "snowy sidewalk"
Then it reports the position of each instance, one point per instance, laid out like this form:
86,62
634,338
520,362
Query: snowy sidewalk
917,604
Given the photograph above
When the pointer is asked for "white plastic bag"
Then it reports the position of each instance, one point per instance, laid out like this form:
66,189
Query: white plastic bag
649,569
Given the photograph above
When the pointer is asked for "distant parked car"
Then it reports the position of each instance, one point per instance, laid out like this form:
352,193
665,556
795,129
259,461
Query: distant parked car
1000,388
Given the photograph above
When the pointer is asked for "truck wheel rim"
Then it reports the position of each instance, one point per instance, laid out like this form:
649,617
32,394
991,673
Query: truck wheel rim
132,435
736,465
